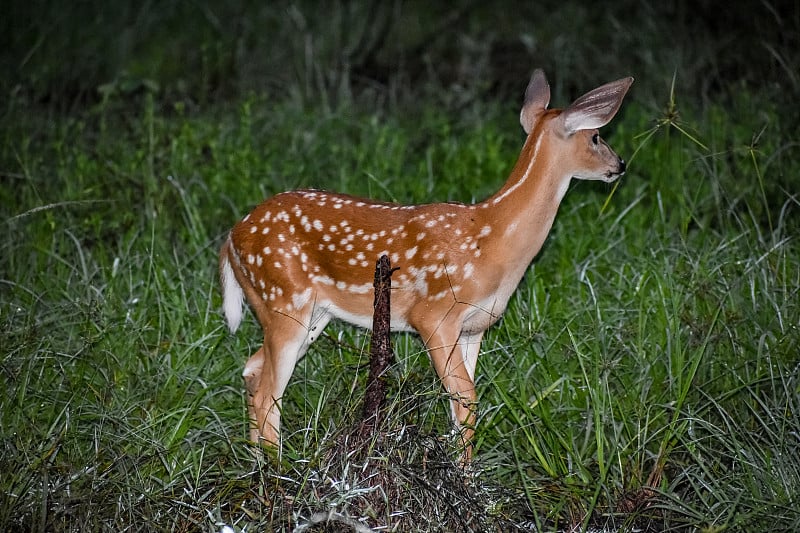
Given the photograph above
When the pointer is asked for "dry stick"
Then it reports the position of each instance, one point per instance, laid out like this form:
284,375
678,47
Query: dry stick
380,354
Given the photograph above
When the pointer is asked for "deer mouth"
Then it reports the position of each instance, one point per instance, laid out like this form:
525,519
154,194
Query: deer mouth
612,175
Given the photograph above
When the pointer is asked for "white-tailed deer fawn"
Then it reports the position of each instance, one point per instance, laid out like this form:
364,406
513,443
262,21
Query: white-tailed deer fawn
304,257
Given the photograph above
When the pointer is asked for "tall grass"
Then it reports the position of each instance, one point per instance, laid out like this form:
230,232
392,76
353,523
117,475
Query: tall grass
644,375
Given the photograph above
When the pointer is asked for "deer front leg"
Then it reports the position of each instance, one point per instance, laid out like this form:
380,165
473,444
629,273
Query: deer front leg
470,347
450,365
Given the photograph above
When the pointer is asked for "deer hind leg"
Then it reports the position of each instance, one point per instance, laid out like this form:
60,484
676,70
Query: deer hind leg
452,368
267,373
252,382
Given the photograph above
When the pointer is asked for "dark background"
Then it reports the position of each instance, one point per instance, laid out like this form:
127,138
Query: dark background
68,55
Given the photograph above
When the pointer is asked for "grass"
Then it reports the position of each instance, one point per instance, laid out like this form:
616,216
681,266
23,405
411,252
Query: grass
644,376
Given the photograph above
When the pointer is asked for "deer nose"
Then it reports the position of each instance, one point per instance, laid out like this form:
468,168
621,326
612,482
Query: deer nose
622,166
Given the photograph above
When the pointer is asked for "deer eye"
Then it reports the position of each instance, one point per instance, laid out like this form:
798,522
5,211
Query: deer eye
595,138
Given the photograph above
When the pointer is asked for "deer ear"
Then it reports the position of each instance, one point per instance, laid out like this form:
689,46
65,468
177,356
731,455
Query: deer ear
595,108
537,96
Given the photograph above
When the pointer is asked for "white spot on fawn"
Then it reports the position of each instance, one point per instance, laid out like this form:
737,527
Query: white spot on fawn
360,289
442,294
420,285
300,299
469,269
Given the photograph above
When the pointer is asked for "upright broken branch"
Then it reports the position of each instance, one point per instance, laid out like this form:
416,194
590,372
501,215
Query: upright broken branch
380,355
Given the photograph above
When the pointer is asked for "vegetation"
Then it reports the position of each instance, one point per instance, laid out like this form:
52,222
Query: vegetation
645,375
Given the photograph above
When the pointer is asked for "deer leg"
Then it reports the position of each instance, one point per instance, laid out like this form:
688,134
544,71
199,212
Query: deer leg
252,381
266,399
286,340
470,347
278,362
450,365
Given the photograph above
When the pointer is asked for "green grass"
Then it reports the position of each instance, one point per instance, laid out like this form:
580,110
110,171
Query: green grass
645,374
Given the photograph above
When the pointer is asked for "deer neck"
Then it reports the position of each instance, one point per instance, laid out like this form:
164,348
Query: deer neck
522,212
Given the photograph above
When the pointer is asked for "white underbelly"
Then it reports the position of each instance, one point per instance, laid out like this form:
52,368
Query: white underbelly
364,320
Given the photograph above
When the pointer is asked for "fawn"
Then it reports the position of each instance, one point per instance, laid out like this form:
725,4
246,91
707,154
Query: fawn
304,257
